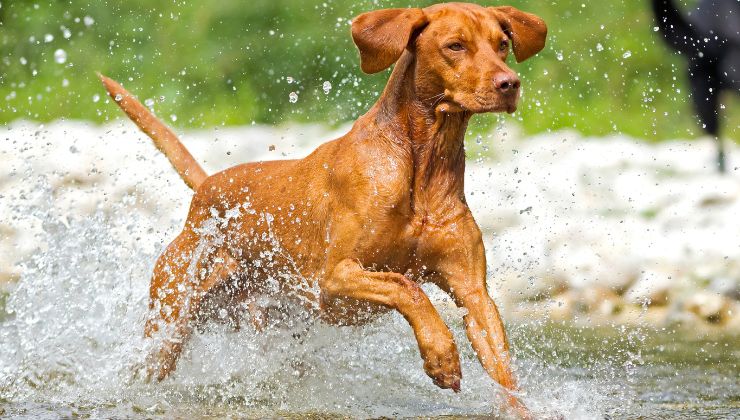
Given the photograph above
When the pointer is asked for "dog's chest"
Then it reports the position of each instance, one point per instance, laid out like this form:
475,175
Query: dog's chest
399,222
395,244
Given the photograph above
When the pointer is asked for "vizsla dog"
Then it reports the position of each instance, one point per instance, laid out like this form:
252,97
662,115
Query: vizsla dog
356,226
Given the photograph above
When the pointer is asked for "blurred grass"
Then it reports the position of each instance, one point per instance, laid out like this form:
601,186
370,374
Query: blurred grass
216,62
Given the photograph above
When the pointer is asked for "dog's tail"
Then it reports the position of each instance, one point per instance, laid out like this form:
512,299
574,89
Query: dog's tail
165,140
674,27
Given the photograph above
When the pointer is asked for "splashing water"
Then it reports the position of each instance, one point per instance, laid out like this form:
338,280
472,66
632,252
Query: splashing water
60,56
71,335
326,87
74,337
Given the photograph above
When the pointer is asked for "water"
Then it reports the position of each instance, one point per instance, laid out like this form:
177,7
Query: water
88,215
71,340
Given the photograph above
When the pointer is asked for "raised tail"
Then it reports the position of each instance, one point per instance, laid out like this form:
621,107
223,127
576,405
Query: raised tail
165,140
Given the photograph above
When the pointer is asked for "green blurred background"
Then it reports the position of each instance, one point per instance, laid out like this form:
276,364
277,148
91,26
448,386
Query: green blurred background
214,62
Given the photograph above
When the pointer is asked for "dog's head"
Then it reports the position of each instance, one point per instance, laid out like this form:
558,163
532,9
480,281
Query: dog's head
460,50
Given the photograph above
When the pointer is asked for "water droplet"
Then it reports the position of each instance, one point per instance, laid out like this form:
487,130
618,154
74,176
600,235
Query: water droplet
88,21
173,117
23,61
289,79
655,29
599,47
627,54
559,56
60,56
48,38
96,98
149,102
65,82
118,97
293,97
326,86
66,33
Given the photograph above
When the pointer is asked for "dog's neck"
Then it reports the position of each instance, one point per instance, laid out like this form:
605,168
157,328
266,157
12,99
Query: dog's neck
430,132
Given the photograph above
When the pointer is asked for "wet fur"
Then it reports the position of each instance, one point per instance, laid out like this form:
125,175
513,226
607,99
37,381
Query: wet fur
353,229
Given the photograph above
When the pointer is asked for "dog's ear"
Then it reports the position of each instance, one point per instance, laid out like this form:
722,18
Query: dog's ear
527,31
382,35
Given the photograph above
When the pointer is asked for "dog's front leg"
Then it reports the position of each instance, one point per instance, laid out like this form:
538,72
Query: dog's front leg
456,257
349,280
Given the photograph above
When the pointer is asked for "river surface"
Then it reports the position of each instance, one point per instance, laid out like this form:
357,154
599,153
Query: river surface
71,319
78,359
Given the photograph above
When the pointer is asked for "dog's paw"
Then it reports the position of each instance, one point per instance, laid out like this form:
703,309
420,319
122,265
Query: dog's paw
139,372
442,364
161,362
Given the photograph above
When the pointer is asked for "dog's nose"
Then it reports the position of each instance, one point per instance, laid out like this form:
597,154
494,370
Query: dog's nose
506,82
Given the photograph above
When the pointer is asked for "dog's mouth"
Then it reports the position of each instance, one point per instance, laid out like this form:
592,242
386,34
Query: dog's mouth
478,102
491,102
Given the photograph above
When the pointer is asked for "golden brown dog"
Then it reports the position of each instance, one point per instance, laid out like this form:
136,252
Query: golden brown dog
357,225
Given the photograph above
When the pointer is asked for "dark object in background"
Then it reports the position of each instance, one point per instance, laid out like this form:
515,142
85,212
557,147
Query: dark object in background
709,38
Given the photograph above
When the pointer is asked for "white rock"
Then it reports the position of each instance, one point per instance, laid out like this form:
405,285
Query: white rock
727,286
557,210
712,307
652,287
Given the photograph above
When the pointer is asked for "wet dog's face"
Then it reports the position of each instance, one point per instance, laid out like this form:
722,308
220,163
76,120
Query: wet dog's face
462,53
460,50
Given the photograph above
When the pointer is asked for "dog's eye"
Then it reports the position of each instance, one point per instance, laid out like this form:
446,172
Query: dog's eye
455,46
504,45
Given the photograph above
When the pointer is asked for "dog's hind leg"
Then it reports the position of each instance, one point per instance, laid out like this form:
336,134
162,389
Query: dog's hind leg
181,280
349,280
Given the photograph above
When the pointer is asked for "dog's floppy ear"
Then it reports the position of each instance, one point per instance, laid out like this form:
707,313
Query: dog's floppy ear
527,31
382,35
